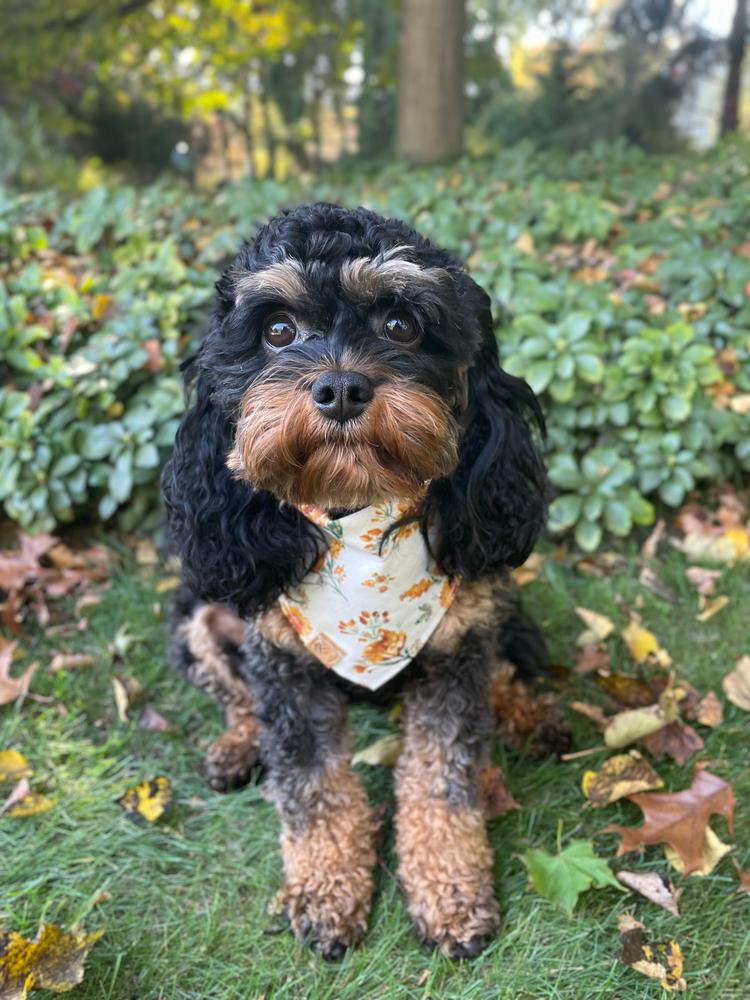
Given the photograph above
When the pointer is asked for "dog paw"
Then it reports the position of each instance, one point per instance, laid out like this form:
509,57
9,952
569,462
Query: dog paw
230,761
330,916
459,928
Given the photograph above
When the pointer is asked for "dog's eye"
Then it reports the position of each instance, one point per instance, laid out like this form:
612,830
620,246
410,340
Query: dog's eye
401,328
280,330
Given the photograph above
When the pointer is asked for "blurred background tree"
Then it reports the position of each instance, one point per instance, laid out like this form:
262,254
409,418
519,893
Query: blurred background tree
216,89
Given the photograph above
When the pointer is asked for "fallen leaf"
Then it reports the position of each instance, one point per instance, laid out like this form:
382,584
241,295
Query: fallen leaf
621,775
744,877
591,658
54,960
711,608
167,584
530,569
154,722
23,802
149,800
634,724
384,751
128,691
525,243
679,819
740,404
631,692
13,766
709,711
736,684
649,547
660,960
713,851
12,688
598,627
145,552
704,580
658,888
71,661
562,877
494,797
644,646
724,548
152,347
676,740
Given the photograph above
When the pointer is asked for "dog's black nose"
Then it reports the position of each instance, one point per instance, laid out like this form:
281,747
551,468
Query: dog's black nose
342,395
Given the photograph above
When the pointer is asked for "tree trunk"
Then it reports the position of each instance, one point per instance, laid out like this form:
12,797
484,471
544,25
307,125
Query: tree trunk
730,115
430,116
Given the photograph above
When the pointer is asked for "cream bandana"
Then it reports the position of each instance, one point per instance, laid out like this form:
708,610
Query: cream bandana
366,613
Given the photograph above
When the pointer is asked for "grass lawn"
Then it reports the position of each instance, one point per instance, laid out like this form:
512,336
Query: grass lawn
185,904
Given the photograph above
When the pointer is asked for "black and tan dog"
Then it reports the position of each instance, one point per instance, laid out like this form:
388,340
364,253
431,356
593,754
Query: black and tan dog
349,361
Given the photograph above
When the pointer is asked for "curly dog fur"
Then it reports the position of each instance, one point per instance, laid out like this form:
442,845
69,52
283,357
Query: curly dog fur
320,296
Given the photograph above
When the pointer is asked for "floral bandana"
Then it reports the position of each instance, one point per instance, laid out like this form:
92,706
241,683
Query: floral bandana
363,612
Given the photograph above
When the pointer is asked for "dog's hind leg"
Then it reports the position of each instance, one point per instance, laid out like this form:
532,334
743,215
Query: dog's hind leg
205,647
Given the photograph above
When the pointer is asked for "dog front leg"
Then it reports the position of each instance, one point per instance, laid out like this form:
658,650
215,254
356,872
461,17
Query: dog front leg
327,836
445,860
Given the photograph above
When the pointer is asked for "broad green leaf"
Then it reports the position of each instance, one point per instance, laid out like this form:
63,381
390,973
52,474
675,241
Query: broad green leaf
562,877
564,512
588,535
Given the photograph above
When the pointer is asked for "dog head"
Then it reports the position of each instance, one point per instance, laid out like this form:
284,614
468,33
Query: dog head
349,360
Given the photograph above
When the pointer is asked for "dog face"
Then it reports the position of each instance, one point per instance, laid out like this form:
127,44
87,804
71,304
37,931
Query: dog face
354,350
348,360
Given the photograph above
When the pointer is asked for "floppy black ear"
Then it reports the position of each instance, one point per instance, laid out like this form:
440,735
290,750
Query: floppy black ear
490,511
236,544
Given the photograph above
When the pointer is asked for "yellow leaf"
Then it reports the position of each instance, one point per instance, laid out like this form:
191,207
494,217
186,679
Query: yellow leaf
598,627
633,724
13,766
149,800
713,851
168,583
525,243
712,608
384,752
53,961
644,646
31,804
658,960
740,404
624,774
100,305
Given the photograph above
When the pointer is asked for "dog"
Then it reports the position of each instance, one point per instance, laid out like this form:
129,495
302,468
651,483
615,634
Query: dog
351,427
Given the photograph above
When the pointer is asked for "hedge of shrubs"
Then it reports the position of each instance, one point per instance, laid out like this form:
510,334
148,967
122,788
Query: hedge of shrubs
621,286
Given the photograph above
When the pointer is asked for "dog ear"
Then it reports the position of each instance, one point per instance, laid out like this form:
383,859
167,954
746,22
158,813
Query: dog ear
236,544
491,509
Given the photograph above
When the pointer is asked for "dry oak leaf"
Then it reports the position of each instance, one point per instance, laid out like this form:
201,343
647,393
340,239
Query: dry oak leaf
12,688
679,819
598,627
494,797
621,775
709,711
71,661
660,960
154,722
128,691
676,740
53,961
529,571
644,646
713,851
591,658
13,766
736,684
704,580
148,800
655,887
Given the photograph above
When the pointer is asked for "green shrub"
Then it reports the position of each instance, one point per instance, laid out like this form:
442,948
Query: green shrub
621,285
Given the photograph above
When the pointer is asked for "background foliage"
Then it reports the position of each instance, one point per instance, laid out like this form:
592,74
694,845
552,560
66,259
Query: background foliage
620,283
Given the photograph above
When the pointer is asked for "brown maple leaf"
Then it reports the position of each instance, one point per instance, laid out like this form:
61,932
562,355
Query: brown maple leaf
677,740
679,819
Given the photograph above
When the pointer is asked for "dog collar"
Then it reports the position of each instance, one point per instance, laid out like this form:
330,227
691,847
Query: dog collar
369,603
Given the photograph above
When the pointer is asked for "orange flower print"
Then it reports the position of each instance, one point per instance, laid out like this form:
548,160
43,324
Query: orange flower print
335,548
371,539
378,581
419,588
387,646
406,530
296,619
447,593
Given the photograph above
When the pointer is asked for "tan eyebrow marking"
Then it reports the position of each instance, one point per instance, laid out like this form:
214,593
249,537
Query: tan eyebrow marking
286,279
369,277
